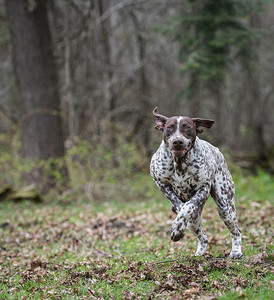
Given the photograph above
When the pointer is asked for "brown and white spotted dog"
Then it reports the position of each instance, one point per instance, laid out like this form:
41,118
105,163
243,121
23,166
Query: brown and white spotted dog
187,170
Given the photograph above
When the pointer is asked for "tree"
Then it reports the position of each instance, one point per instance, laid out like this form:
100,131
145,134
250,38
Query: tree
207,32
142,122
41,127
256,100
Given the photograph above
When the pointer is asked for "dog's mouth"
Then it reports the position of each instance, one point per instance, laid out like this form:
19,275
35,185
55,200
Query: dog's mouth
179,153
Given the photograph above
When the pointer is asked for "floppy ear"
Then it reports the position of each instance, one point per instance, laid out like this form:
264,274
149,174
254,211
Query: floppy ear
160,120
202,123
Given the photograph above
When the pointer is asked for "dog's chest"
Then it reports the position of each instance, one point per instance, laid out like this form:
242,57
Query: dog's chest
185,181
186,176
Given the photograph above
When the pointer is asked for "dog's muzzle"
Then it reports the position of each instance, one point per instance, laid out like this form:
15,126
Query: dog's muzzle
179,148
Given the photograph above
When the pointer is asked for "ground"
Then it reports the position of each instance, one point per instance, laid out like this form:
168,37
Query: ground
111,249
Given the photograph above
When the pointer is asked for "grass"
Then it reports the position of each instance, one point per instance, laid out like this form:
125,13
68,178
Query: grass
75,247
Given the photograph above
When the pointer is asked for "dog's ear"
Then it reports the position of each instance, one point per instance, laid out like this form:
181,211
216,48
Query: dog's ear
160,120
202,123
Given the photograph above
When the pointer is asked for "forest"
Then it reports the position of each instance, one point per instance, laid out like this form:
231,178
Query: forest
80,216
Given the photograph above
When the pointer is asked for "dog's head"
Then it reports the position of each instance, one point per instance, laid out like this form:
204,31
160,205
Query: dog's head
179,133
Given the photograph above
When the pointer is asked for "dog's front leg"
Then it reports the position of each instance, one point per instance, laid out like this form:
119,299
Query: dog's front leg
189,213
176,202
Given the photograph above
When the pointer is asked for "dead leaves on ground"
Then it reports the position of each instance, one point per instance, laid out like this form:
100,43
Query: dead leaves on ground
186,279
37,250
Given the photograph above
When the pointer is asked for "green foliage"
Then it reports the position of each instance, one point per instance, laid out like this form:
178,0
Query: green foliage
106,173
211,35
96,171
207,34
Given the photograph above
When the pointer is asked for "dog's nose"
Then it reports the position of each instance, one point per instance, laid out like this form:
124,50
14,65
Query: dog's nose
178,143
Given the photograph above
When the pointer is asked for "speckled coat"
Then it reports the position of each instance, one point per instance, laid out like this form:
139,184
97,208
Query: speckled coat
188,170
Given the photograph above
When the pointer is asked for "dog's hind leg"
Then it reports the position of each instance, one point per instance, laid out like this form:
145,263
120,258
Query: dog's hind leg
223,196
196,228
229,216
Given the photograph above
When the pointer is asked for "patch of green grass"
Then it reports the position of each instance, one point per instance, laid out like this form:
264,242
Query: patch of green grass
250,293
254,188
120,248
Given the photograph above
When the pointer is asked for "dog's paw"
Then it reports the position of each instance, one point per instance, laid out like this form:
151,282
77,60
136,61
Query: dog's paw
235,255
176,236
201,249
177,231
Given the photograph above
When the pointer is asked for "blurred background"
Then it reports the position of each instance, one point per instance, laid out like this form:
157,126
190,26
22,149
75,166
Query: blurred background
79,80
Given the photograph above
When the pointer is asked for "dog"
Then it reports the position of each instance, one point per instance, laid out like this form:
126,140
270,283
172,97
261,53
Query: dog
188,170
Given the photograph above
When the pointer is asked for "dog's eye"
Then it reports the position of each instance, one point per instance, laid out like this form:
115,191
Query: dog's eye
186,127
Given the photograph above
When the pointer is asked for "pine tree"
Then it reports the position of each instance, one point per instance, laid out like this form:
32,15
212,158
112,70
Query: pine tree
208,32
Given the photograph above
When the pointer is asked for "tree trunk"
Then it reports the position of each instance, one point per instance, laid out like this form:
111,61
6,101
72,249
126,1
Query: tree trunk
194,95
220,116
142,123
255,121
67,74
109,94
42,136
